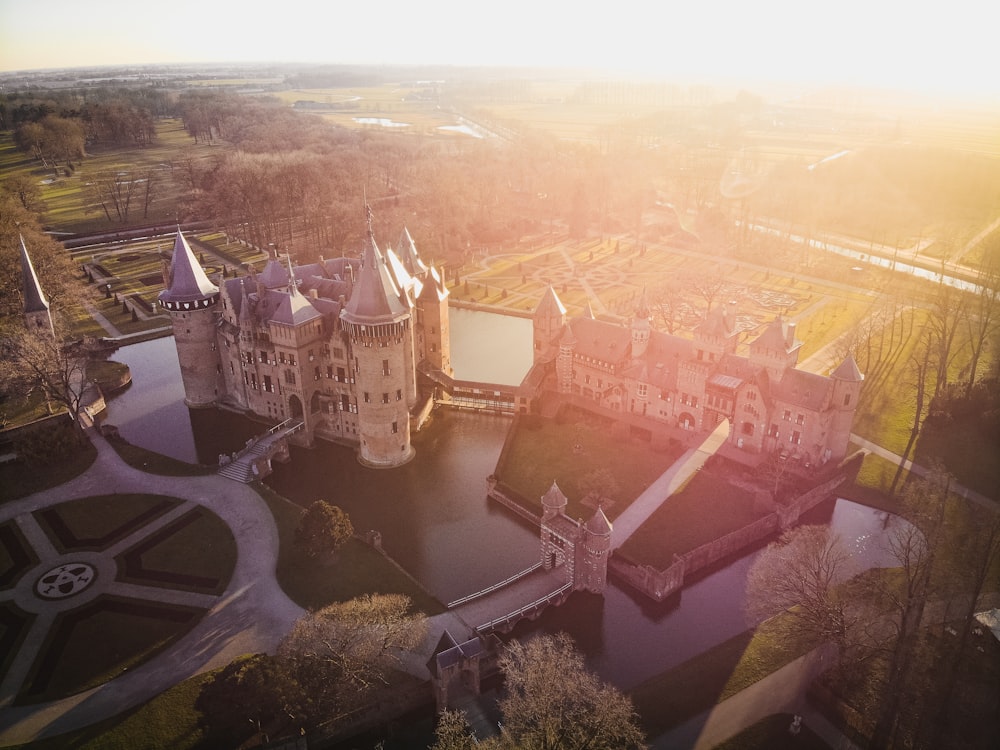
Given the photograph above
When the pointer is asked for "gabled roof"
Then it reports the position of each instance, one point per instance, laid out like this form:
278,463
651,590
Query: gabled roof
848,370
606,342
34,298
375,298
434,287
717,323
550,305
801,388
275,274
188,282
778,336
294,310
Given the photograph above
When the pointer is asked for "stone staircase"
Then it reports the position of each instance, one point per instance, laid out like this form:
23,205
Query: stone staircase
240,469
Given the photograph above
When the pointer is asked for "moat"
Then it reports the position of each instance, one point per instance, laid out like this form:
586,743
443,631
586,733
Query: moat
436,522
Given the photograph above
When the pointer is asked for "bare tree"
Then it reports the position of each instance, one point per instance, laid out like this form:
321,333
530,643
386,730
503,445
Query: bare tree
920,366
981,317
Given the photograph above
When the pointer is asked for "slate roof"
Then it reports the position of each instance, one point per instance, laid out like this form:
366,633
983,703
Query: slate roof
34,298
188,281
848,370
550,305
800,388
375,298
606,342
599,525
295,309
406,248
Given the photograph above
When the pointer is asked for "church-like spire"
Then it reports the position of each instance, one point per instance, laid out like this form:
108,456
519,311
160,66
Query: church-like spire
188,288
375,298
36,307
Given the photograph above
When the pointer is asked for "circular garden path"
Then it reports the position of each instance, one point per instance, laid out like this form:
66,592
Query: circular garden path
119,584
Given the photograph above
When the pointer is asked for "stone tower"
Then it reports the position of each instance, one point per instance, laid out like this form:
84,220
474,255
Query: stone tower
37,316
642,327
378,321
592,554
191,299
546,325
776,349
847,379
434,330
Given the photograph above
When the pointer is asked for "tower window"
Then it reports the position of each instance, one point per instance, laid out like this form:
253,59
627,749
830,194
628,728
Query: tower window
847,399
368,398
395,427
399,394
385,398
385,367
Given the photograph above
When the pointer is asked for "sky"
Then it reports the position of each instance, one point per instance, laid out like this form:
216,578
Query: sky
938,48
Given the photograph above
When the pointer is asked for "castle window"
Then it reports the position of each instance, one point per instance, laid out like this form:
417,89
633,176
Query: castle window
248,358
787,416
262,356
329,372
368,398
773,431
268,385
641,390
341,375
290,377
800,419
399,394
385,398
291,359
312,355
345,402
316,373
281,357
796,438
395,427
338,353
847,399
253,381
385,367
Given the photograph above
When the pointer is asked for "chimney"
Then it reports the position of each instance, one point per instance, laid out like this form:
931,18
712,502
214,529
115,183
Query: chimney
790,335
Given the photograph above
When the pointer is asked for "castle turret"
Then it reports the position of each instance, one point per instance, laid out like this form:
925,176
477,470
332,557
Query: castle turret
37,316
847,379
547,324
432,306
191,299
717,334
377,320
642,327
593,551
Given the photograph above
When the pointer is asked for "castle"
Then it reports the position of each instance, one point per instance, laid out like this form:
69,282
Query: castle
657,379
334,344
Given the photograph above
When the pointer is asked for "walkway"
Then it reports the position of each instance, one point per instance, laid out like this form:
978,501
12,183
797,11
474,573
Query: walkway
252,615
922,471
669,482
783,691
511,598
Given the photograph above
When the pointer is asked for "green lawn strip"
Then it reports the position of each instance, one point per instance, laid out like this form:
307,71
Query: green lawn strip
358,568
19,479
772,733
705,509
97,642
196,552
673,696
156,463
169,720
106,373
540,451
100,520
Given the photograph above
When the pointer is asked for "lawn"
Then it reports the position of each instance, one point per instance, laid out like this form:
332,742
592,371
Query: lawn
539,451
706,508
98,521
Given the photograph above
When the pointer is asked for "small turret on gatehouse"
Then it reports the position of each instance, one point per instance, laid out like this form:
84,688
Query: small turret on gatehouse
582,549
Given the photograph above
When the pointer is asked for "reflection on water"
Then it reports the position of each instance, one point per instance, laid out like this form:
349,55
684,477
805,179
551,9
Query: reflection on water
436,522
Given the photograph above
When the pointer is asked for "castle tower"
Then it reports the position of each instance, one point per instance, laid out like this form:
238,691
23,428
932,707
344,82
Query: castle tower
776,349
717,334
377,320
190,299
564,361
592,554
547,324
37,316
847,379
432,306
642,327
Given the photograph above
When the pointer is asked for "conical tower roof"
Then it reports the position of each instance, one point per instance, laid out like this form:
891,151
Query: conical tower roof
848,370
188,287
599,525
550,306
554,499
375,298
406,249
34,298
